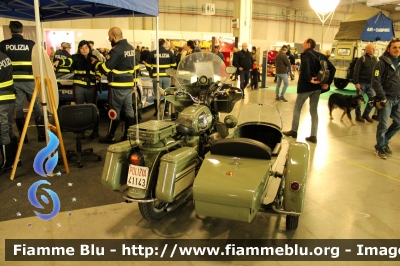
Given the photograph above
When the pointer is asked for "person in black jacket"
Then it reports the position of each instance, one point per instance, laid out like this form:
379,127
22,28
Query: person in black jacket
166,60
9,142
64,54
290,56
309,87
19,50
386,84
120,69
243,61
362,80
84,87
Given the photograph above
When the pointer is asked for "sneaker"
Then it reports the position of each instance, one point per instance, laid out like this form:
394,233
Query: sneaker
387,150
368,119
290,134
375,117
283,99
360,119
277,99
312,139
380,154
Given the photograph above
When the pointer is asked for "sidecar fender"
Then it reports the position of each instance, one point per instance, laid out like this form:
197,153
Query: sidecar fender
296,170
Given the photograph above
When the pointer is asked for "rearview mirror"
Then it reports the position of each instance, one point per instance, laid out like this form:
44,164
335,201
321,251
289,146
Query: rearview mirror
230,69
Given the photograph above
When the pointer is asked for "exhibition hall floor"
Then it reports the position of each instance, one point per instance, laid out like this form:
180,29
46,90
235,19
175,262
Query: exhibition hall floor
351,194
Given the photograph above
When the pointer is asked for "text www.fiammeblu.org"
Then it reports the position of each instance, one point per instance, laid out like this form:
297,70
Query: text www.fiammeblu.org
285,250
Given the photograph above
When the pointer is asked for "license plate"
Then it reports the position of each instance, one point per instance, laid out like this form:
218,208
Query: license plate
137,176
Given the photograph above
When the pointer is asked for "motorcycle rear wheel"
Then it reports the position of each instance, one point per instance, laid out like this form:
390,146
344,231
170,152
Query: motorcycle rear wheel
154,211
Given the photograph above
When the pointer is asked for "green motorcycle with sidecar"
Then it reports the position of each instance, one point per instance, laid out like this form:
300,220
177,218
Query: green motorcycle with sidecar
164,163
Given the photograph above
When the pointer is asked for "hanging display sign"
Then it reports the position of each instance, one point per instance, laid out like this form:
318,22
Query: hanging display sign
208,9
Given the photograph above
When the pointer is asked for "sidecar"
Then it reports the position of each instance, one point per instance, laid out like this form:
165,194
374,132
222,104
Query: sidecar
235,175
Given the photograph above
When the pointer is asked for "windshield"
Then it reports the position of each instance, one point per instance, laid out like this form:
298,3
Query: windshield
260,113
195,65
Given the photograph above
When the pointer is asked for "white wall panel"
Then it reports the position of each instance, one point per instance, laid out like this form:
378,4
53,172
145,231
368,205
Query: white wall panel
203,23
100,23
79,23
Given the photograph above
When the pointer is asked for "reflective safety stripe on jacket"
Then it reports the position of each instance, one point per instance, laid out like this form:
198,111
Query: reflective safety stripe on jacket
120,66
81,78
21,76
6,86
166,60
64,65
19,51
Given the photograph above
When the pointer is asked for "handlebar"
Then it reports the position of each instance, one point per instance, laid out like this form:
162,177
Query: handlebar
175,93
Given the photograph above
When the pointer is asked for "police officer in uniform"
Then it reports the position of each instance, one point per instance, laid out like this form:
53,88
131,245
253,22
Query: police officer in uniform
167,60
119,68
9,142
19,50
65,55
84,87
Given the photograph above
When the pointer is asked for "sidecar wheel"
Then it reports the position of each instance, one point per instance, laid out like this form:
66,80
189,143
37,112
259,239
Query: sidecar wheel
153,211
292,222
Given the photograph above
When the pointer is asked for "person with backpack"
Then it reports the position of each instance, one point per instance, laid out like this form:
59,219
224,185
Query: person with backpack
362,80
386,84
308,86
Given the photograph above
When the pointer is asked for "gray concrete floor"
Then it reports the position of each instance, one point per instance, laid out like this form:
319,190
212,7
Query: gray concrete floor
351,194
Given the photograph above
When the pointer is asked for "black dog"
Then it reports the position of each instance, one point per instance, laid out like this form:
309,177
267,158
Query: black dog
344,102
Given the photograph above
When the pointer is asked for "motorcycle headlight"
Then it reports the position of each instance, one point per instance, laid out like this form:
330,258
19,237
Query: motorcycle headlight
202,121
203,80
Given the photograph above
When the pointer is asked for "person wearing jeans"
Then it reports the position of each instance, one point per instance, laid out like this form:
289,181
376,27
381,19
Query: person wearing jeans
282,63
309,87
386,84
362,80
243,61
365,88
383,132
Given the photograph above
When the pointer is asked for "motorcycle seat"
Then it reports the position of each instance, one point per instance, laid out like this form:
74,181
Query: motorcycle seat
241,147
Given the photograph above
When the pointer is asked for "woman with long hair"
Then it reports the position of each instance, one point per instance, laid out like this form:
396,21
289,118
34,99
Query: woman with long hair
84,88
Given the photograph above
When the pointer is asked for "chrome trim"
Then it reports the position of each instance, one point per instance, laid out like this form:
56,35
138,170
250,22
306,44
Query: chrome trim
124,195
285,212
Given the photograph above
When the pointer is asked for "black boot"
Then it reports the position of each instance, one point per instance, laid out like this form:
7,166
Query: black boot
8,160
14,144
111,133
95,134
129,121
39,120
166,108
20,126
156,107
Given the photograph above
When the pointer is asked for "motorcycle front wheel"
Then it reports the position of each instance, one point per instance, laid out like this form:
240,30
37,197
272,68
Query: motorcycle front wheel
153,211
